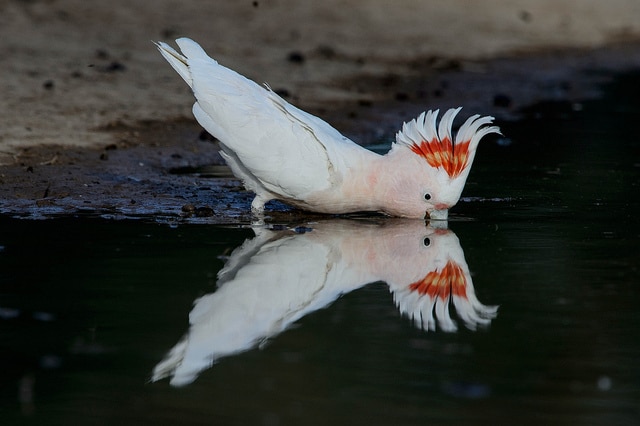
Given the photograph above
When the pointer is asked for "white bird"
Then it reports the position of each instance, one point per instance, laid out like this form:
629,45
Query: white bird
281,152
278,277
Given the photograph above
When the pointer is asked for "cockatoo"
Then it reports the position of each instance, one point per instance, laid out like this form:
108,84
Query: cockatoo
281,152
278,277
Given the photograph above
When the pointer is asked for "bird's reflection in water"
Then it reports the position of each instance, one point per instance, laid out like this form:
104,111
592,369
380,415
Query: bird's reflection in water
279,276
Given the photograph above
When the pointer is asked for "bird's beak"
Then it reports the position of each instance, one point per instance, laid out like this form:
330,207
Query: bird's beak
439,214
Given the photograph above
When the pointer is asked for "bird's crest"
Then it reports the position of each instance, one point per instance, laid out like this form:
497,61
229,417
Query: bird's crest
435,143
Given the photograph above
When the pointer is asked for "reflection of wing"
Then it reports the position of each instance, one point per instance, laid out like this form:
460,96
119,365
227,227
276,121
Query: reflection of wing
243,254
283,280
278,277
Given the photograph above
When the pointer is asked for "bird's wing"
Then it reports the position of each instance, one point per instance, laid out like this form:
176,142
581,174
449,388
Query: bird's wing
291,152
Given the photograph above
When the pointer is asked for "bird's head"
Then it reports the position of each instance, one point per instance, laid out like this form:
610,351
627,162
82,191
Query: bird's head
438,163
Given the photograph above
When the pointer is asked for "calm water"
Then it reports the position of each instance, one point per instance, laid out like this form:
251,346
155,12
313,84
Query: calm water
333,322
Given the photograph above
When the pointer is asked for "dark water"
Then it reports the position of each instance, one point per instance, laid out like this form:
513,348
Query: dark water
548,233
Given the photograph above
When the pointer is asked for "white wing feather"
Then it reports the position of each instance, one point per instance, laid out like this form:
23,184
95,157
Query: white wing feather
271,144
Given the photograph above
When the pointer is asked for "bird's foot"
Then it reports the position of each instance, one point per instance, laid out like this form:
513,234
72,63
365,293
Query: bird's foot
257,221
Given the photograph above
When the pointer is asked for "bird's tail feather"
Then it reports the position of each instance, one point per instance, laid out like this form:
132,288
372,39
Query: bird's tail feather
177,61
193,50
180,61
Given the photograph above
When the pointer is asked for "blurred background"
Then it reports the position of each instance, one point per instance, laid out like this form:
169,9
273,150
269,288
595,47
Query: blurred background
72,67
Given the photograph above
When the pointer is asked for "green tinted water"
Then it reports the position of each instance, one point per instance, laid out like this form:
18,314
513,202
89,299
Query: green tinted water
91,308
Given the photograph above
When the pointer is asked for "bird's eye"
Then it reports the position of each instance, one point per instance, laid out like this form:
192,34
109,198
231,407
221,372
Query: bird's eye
426,242
427,196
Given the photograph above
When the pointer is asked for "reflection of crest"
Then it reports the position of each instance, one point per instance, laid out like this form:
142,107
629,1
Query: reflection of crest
278,277
435,292
441,283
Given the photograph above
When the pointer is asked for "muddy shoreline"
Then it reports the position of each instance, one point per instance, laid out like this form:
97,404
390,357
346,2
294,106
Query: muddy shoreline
95,122
170,170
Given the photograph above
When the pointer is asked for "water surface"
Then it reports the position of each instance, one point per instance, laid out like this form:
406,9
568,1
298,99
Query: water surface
90,309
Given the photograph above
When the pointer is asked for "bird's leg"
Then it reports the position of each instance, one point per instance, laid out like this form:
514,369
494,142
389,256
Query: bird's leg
257,209
257,206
